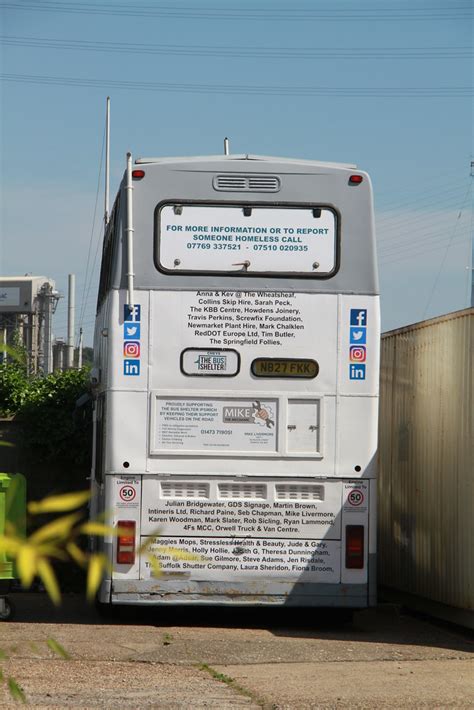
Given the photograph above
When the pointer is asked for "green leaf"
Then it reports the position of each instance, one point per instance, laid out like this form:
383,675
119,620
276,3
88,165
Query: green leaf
10,545
76,554
15,691
50,582
56,647
26,563
59,504
56,529
94,528
98,563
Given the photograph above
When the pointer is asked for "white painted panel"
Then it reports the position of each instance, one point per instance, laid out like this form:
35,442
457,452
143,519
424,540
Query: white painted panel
303,426
127,433
356,436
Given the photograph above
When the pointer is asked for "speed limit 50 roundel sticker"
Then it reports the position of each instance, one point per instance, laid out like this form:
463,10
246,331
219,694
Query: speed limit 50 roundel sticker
127,493
355,497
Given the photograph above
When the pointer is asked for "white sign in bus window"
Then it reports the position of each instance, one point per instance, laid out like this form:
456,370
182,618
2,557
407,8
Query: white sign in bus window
204,425
233,238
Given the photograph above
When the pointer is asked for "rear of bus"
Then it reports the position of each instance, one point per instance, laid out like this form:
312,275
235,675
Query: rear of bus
237,385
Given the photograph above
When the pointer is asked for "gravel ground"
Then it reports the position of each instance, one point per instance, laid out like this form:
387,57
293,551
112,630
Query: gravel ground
195,658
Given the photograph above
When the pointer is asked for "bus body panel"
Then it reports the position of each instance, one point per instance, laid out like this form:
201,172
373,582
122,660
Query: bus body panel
235,428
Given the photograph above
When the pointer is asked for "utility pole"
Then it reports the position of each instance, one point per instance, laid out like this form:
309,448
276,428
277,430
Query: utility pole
472,245
71,312
107,163
79,356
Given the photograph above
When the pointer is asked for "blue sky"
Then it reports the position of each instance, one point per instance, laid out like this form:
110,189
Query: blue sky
386,85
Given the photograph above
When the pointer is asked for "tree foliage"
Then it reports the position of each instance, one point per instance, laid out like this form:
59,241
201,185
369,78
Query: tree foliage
46,406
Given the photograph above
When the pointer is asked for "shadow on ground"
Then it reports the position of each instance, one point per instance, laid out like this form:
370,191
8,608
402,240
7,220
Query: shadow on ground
383,625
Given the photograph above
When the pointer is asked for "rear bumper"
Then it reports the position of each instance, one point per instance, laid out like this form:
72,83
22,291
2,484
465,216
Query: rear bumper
177,592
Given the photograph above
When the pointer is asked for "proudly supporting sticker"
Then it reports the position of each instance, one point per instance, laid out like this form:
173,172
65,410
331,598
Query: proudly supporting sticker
221,424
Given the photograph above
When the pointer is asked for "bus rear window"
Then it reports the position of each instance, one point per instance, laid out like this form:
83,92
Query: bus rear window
247,239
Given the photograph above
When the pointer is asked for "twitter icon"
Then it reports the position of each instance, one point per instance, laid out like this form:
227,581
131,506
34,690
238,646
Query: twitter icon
131,331
358,335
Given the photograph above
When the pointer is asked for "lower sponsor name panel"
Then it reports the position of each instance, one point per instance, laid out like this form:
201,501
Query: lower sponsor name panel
224,559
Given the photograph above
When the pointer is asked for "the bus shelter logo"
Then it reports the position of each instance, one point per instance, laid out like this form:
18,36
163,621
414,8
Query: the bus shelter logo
211,362
255,413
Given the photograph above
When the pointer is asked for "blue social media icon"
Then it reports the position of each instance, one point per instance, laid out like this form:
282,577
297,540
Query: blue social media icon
358,336
359,317
131,313
131,368
131,331
356,372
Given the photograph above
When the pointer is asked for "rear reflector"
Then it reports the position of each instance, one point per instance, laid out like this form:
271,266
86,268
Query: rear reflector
354,546
355,179
138,174
126,542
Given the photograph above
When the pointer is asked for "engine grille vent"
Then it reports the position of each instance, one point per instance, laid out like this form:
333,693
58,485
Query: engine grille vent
298,492
247,491
246,183
184,489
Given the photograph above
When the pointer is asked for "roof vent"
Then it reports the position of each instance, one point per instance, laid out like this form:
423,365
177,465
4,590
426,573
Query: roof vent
246,183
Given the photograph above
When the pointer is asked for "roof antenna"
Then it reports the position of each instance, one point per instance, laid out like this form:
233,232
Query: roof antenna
226,146
107,162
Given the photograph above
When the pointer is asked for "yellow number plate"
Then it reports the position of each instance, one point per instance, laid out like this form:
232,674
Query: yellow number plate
285,367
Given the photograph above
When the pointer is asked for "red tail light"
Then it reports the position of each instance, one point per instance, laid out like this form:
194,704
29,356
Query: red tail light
355,179
126,542
138,174
354,546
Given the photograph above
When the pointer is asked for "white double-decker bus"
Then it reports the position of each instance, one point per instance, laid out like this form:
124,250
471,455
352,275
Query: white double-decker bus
236,376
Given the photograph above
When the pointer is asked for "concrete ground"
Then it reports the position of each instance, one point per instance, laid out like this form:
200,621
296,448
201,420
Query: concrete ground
196,658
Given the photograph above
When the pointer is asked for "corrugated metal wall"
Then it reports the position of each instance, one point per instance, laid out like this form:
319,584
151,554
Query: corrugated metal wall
426,473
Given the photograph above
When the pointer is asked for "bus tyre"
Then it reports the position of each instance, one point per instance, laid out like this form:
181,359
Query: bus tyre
105,609
8,610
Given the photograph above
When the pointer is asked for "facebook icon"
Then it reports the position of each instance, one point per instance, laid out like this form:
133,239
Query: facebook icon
359,317
356,372
131,313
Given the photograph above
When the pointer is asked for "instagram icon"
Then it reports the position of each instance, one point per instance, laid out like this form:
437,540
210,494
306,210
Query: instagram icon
357,353
131,348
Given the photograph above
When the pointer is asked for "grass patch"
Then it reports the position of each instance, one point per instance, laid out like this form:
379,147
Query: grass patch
223,678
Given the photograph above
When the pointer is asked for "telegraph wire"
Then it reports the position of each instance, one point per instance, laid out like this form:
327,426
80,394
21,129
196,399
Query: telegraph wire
84,294
453,235
421,253
293,14
426,197
437,238
242,52
225,89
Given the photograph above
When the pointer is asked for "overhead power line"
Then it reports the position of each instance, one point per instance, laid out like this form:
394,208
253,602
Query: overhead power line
451,240
222,89
241,52
290,14
89,275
